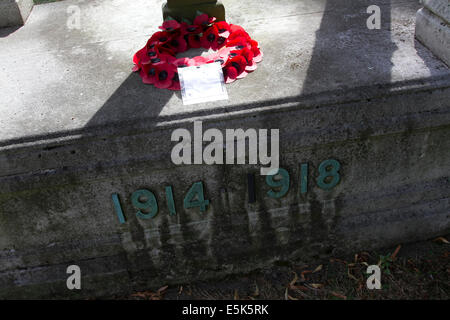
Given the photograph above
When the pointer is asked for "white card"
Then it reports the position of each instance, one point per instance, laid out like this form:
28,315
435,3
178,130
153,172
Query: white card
202,83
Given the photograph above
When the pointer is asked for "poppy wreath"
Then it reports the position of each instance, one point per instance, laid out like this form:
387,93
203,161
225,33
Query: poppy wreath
234,49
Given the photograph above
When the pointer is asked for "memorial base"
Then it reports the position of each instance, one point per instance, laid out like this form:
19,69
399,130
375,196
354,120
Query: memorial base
190,11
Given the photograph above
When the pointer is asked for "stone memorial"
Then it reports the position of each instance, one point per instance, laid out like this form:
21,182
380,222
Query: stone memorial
433,27
188,8
14,12
88,175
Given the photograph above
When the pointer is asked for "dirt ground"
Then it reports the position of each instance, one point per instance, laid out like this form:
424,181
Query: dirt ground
413,271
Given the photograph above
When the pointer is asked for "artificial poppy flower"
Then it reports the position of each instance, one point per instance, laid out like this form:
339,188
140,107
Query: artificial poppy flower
252,67
210,38
235,28
175,83
178,44
145,55
230,74
148,73
244,52
204,20
224,52
183,63
256,51
238,62
136,68
189,28
194,41
238,42
199,60
170,25
239,34
137,58
223,28
164,75
159,38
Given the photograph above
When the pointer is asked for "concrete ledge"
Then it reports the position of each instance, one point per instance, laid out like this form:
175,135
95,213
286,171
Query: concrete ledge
438,7
14,12
434,32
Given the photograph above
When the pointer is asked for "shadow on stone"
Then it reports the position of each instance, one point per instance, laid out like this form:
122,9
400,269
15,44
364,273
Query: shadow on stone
341,54
4,32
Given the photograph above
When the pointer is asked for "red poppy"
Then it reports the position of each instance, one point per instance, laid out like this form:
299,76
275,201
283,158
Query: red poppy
137,58
210,38
239,34
235,28
256,51
251,67
146,55
230,74
246,53
194,41
204,20
223,28
224,52
189,29
170,25
199,60
175,83
148,73
178,44
238,62
159,38
238,42
164,75
183,62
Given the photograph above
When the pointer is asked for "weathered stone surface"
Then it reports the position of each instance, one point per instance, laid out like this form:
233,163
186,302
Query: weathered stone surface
14,12
440,8
77,126
188,9
433,27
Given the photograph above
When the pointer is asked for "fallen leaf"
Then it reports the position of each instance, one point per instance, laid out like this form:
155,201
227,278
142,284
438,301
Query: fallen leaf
318,269
162,289
292,283
441,239
287,296
316,285
338,295
395,252
302,275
